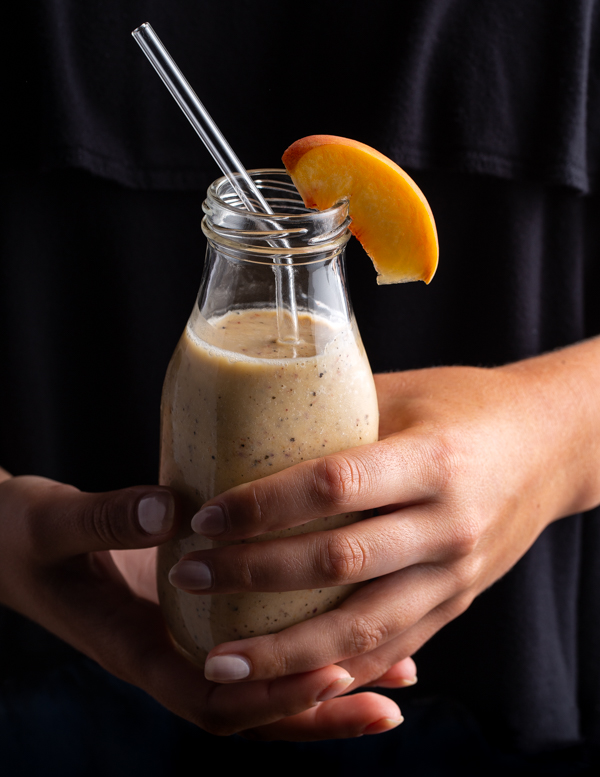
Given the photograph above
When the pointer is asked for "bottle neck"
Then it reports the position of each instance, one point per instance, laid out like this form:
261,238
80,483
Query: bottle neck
290,262
293,234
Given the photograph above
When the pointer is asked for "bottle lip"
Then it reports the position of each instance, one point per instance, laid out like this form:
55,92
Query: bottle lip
292,230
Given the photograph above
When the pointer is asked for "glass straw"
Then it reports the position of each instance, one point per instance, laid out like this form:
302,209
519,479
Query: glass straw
228,162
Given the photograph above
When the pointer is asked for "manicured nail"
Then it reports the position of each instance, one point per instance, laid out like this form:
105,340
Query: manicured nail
223,669
210,521
190,575
406,681
336,687
155,512
383,725
400,682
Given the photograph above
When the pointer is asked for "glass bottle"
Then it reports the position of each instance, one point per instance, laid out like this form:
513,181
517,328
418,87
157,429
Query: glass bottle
269,372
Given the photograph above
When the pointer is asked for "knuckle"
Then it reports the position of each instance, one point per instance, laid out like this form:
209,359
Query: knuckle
465,537
344,558
365,635
241,568
443,458
253,509
98,520
278,660
256,514
338,480
467,572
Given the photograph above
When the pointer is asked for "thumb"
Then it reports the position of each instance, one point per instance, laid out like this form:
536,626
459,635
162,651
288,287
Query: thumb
63,522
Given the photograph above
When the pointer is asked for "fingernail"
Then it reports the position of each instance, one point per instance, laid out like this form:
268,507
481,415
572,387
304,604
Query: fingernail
210,521
222,669
406,681
191,575
155,512
383,725
336,687
401,682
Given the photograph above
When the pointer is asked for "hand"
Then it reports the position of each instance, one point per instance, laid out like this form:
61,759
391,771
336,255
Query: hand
461,480
57,569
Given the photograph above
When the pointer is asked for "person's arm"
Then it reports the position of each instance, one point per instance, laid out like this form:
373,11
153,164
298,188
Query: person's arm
56,568
473,464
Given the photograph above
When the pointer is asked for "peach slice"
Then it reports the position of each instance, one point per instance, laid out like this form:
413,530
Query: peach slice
390,216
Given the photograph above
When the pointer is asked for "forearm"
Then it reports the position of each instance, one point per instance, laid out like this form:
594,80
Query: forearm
564,411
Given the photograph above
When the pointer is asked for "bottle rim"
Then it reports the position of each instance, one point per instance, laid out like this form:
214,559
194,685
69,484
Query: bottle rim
293,230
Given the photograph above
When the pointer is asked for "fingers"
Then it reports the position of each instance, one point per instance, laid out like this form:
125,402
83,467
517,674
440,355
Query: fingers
228,709
87,602
370,548
99,615
399,674
403,469
353,716
61,521
381,668
238,707
224,709
148,659
373,616
402,674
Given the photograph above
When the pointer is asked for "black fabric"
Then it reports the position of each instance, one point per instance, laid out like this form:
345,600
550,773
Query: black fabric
504,87
97,280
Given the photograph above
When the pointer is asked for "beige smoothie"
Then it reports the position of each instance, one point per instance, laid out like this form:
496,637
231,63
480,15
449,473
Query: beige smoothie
239,405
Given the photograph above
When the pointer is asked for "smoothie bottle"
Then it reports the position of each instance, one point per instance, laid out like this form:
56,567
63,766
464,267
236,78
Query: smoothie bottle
269,372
